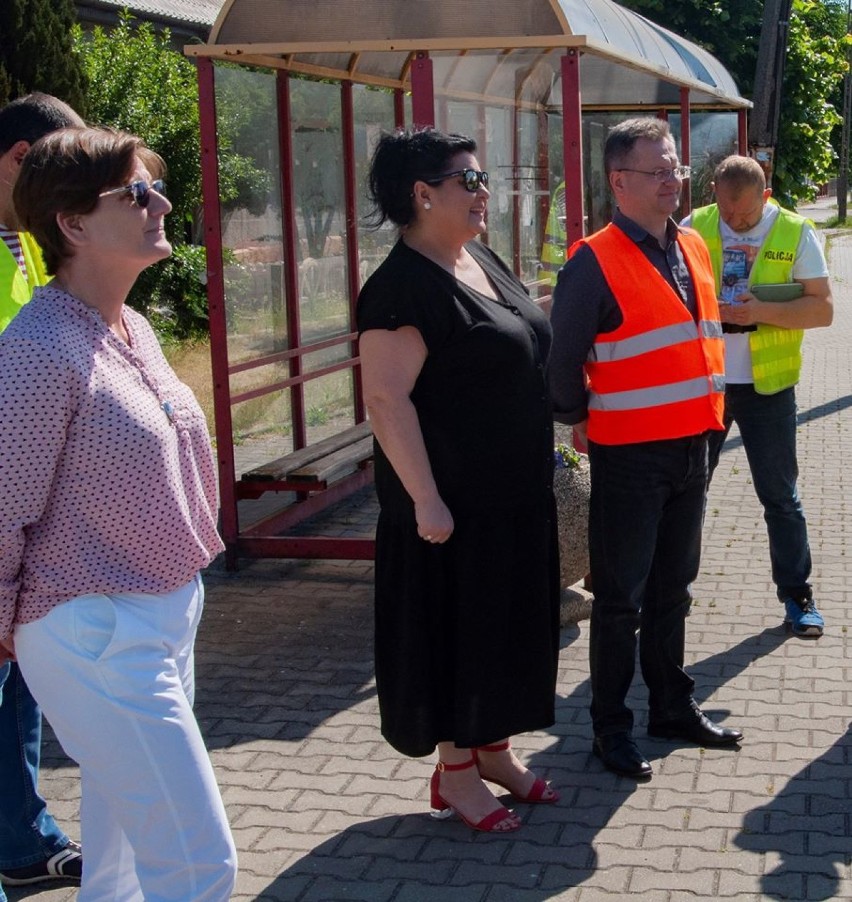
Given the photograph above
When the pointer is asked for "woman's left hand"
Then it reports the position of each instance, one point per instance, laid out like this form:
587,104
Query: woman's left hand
434,520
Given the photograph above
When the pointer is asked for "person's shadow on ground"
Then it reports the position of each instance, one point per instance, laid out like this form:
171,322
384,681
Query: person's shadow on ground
278,659
416,857
806,826
555,848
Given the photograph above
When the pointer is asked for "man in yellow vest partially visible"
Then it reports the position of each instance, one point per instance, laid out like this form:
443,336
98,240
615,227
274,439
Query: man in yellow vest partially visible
32,846
555,237
637,368
21,270
753,243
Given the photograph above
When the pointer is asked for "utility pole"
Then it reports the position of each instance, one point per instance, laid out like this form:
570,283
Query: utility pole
843,174
768,79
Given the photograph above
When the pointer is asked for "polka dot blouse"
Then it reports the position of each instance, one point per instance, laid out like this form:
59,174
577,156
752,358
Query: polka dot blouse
107,480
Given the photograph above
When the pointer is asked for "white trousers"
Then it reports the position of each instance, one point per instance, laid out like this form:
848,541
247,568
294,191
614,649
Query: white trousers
114,676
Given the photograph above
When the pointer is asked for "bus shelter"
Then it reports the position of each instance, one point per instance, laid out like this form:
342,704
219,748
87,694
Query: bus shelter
302,89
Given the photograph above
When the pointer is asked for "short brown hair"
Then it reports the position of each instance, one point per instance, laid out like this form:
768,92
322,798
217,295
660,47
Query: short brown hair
65,172
738,173
622,138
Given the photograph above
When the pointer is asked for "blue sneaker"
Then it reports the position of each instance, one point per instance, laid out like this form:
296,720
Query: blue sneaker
803,617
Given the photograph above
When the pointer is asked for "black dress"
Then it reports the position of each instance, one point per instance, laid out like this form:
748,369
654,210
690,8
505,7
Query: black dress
467,633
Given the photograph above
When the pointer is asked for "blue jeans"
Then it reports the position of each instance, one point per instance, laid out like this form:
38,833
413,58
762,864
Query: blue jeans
767,424
28,834
645,514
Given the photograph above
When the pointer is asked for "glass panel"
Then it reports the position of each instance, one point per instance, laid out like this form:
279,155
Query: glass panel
713,136
598,201
491,128
531,188
373,115
496,157
253,242
320,213
511,129
261,426
328,403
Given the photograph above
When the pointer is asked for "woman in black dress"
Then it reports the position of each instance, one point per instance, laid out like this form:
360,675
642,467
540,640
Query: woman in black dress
453,357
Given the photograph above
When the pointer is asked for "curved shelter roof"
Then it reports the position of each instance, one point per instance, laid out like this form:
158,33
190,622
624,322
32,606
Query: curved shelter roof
628,62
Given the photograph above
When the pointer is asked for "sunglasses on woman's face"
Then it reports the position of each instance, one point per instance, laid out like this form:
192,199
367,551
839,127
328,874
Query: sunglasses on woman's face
470,178
140,191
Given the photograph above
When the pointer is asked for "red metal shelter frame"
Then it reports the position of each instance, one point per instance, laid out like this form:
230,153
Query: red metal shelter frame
264,538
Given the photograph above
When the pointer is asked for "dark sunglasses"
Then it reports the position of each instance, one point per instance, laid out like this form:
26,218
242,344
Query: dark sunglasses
140,191
471,179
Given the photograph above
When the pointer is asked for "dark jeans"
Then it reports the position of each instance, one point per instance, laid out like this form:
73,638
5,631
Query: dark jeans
645,518
767,424
28,834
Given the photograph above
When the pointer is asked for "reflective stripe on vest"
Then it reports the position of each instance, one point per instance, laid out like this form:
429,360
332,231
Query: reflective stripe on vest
653,340
776,353
659,375
657,395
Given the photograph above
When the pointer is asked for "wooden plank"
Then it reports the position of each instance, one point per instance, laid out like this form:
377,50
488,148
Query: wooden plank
280,468
330,467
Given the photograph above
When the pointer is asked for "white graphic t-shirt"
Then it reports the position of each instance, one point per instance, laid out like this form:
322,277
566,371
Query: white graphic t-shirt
739,251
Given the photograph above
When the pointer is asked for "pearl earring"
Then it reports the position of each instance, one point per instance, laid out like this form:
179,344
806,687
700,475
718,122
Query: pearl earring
427,205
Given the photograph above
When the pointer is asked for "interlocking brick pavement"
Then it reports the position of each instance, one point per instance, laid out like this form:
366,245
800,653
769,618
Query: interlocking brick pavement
323,810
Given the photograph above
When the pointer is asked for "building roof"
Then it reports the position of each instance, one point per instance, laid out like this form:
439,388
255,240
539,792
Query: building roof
198,13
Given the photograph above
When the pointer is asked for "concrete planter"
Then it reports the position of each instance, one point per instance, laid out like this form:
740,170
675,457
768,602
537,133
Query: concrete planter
571,487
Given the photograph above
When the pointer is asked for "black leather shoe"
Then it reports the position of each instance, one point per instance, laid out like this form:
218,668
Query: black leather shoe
621,755
695,727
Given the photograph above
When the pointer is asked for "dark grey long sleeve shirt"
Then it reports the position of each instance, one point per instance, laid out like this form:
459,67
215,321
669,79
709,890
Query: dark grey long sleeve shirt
584,307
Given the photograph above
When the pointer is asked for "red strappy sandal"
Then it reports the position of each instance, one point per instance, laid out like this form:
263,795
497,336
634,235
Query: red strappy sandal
442,808
541,793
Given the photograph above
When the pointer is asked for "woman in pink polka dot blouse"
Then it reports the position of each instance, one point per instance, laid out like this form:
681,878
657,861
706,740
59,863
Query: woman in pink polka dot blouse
107,515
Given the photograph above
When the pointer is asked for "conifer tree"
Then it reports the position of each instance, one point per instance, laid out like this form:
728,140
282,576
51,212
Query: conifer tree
36,51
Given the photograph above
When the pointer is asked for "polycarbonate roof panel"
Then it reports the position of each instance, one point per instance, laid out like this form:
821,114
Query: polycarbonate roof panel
628,61
294,21
633,35
601,80
522,74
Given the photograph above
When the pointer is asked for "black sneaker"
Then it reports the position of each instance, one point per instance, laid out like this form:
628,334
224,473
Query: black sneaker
67,864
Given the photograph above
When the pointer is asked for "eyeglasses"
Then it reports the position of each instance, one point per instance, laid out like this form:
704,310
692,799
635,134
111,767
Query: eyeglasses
140,191
471,179
664,175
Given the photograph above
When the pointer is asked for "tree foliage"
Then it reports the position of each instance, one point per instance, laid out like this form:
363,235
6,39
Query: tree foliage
811,100
35,51
815,64
140,84
729,29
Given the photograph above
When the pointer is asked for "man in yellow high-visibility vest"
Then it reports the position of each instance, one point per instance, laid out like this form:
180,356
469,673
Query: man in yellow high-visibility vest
32,846
754,242
555,237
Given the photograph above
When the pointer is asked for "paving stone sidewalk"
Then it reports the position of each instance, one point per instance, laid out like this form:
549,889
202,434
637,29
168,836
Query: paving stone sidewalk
323,810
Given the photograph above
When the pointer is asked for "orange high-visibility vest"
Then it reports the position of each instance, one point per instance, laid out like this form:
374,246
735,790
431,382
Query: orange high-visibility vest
659,375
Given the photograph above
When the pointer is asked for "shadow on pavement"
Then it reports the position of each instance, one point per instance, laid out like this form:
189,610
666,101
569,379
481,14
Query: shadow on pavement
412,857
806,828
802,417
277,657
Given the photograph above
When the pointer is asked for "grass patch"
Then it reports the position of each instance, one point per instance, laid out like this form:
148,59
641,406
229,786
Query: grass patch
191,361
328,399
